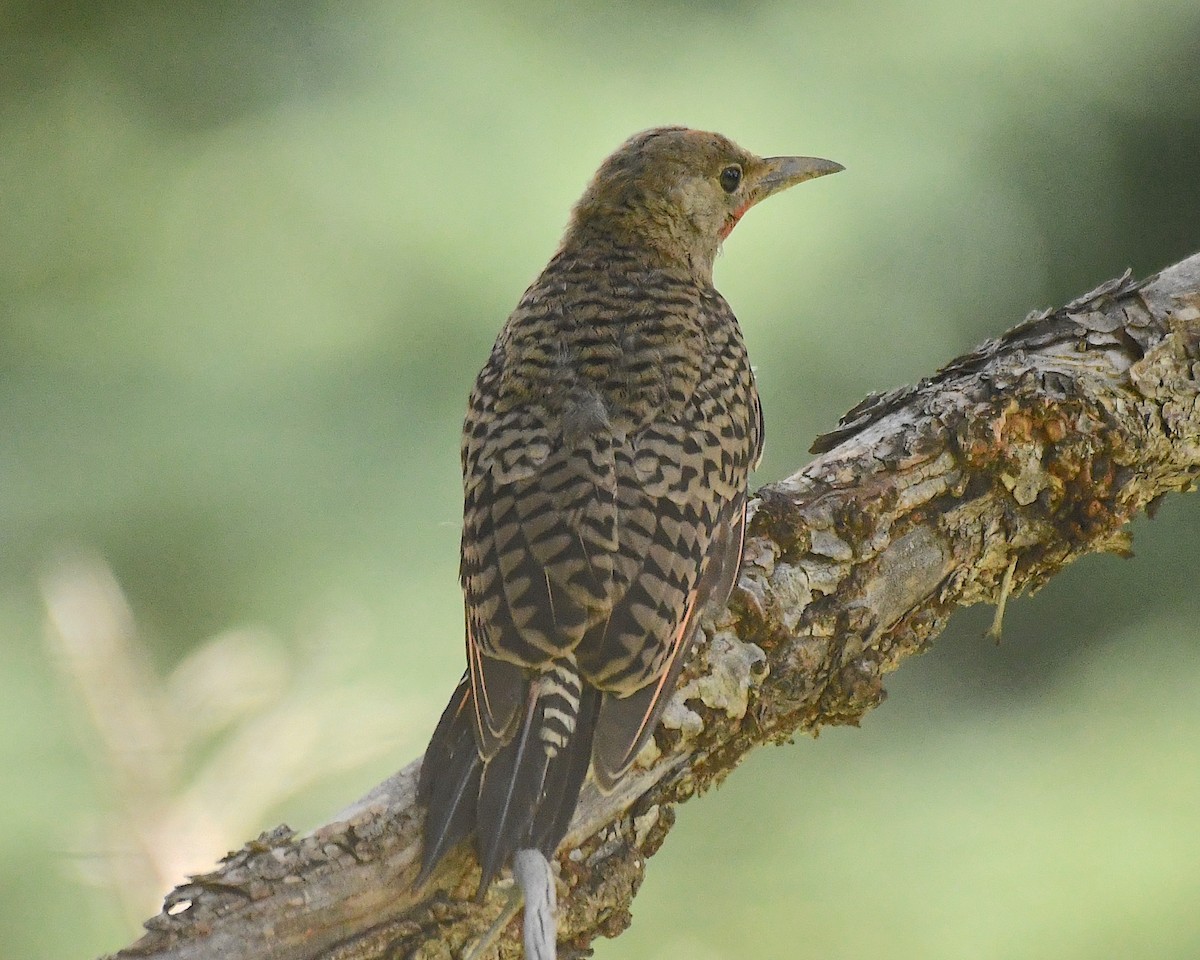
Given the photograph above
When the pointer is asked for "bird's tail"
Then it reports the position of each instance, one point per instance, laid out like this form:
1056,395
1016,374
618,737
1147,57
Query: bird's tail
523,796
449,781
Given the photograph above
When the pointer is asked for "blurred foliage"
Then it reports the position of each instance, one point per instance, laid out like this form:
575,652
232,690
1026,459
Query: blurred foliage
252,254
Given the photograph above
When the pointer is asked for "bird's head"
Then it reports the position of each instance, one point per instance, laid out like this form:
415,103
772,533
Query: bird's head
679,193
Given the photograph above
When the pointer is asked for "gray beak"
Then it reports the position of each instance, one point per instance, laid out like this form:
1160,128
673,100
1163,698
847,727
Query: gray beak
779,173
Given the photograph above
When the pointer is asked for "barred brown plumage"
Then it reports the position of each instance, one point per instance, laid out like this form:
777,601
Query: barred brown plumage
606,454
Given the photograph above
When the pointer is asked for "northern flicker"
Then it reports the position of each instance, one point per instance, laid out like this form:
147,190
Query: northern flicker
606,453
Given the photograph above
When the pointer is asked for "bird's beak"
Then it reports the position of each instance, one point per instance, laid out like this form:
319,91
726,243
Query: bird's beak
779,173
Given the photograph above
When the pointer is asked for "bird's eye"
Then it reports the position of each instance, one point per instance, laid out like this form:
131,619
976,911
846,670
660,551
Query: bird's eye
731,176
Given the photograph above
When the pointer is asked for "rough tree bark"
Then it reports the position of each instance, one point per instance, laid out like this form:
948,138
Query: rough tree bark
984,479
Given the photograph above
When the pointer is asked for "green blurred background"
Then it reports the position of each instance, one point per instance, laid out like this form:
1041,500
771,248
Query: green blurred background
252,255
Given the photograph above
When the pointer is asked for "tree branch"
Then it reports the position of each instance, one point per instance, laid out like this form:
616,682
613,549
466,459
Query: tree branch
989,476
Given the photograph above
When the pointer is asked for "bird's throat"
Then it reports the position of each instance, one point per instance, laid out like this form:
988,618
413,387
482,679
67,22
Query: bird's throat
732,220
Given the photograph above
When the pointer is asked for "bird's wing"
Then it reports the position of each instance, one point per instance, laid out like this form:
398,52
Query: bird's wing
683,513
538,550
539,545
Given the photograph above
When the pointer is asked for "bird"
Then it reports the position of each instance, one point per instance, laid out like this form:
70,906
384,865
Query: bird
606,455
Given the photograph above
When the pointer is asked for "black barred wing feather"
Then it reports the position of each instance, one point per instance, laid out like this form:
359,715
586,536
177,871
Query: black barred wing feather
627,720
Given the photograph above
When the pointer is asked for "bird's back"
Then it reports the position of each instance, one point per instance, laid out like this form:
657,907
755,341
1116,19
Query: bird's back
606,453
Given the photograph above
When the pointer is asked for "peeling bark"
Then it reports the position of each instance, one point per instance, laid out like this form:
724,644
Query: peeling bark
988,477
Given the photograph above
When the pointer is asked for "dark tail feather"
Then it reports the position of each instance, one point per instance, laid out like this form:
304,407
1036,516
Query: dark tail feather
523,797
449,782
565,778
509,791
531,786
